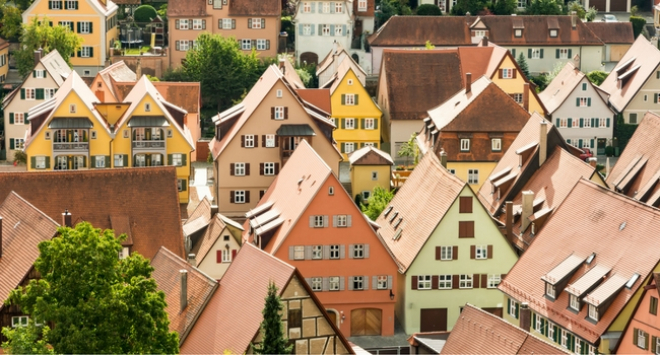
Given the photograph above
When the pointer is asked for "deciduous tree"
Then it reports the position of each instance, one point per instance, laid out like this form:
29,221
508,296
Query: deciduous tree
378,200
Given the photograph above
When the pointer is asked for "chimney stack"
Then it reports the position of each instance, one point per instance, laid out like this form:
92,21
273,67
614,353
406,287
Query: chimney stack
184,289
138,69
66,218
282,64
526,97
527,209
543,142
443,158
468,82
37,55
214,210
573,19
593,161
484,41
0,237
191,260
509,220
525,317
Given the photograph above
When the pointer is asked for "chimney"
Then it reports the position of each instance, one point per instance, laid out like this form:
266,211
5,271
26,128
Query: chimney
443,158
37,55
184,289
0,237
525,317
593,161
138,69
509,220
573,19
282,64
468,82
214,210
527,209
526,97
543,142
66,218
484,42
191,259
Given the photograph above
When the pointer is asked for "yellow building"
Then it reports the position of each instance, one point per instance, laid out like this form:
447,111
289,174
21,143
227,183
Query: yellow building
74,131
4,59
356,116
94,20
370,167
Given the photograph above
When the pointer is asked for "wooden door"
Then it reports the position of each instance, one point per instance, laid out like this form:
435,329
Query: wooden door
433,319
366,321
332,316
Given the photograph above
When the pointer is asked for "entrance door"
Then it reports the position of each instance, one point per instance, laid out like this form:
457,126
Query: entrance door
600,146
366,321
333,317
433,319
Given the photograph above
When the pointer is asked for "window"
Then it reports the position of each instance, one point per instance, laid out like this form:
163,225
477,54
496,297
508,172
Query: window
358,282
318,221
246,44
71,4
593,312
239,196
653,306
551,330
19,118
518,33
444,282
494,280
513,308
341,220
40,163
270,141
424,282
366,195
87,73
262,46
339,8
227,24
338,28
349,147
362,5
465,281
326,7
183,24
480,33
481,252
473,176
317,252
177,159
536,53
349,123
446,253
641,339
538,326
119,160
184,45
563,53
574,302
269,168
331,190
317,283
19,321
279,112
197,24
226,256
633,118
334,252
550,290
583,102
49,93
239,169
349,99
334,283
382,282
465,145
496,144
307,7
307,30
19,143
55,5
99,161
369,123
358,251
85,27
563,122
30,94
325,30
255,23
507,73
249,141
553,33
85,52
518,98
299,253
40,74
564,338
657,346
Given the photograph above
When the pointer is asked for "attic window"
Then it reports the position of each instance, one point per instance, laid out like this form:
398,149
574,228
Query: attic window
518,33
593,312
397,223
553,33
388,210
279,93
632,281
331,190
349,82
147,107
394,216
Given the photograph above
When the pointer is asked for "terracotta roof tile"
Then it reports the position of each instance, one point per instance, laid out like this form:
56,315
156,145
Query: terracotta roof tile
119,72
23,228
167,273
256,8
613,32
96,196
561,87
536,31
612,226
186,8
480,332
317,97
404,31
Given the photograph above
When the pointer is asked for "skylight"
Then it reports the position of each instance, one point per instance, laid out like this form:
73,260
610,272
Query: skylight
388,210
396,213
632,280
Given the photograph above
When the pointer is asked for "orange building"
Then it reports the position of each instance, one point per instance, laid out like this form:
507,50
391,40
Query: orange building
307,219
642,334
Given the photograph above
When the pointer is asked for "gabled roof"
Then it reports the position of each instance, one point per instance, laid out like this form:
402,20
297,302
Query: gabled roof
98,195
187,8
255,8
405,31
185,95
430,188
622,84
370,156
199,218
200,287
480,332
345,66
592,220
536,31
561,87
613,32
290,72
118,72
337,56
23,228
215,227
317,97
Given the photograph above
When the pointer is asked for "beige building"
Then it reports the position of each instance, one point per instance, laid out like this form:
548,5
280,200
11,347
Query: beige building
48,74
255,138
254,24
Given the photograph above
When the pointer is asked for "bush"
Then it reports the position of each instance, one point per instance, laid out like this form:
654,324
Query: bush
591,14
505,7
638,24
20,157
145,13
597,77
609,151
540,81
428,10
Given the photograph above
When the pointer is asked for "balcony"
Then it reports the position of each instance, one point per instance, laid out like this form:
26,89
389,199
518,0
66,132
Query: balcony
149,144
75,146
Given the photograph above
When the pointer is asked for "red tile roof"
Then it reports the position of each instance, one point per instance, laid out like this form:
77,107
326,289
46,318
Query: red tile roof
23,228
148,197
536,31
255,8
200,287
591,220
613,32
480,332
406,31
186,8
317,97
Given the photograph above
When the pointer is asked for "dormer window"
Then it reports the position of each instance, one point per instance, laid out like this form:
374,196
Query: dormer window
574,303
72,108
550,290
553,33
518,33
593,312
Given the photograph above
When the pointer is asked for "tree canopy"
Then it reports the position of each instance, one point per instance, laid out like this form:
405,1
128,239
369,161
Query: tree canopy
95,302
378,200
522,63
145,13
597,77
545,7
428,10
274,339
389,8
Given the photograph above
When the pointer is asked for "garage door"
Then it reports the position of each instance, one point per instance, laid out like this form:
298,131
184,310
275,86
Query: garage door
366,321
433,319
618,5
600,5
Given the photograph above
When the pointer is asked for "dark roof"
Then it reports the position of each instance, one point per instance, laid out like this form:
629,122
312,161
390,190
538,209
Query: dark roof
371,5
148,197
295,130
536,31
252,7
186,8
613,32
403,31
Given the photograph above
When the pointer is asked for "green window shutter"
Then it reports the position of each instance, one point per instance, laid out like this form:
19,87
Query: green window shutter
529,53
78,27
343,148
508,305
577,102
343,120
47,162
356,99
541,53
184,184
107,161
570,123
362,145
581,122
169,159
570,53
76,5
91,26
655,98
50,6
607,122
183,159
657,75
580,141
533,325
646,341
635,336
124,160
84,162
23,94
34,73
91,52
654,341
557,122
584,86
588,102
11,118
343,98
557,53
592,144
11,143
517,310
545,327
33,162
40,94
375,123
593,120
66,5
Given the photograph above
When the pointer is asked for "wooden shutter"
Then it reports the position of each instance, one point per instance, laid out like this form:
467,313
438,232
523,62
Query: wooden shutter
454,281
23,95
437,253
11,118
654,341
291,253
177,45
107,161
263,23
261,168
277,168
557,53
529,53
635,336
267,44
243,141
490,252
465,204
263,140
308,253
434,282
500,73
646,341
341,283
454,252
203,24
247,196
247,169
272,113
351,249
514,71
472,251
541,56
343,100
231,196
484,281
475,280
286,113
11,143
33,162
231,169
249,22
413,283
218,256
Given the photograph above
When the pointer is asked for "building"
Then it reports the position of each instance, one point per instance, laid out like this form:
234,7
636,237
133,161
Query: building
22,228
473,128
532,179
230,321
617,37
328,66
94,20
254,24
149,215
106,81
450,254
579,110
582,294
74,131
48,75
262,132
370,168
641,334
404,105
608,5
480,332
330,241
634,83
636,172
4,59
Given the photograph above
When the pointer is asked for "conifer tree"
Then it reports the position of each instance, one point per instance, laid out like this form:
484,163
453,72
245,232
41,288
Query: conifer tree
522,63
274,340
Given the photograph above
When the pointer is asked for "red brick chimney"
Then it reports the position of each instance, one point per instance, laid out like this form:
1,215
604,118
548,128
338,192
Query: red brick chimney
468,82
66,218
525,317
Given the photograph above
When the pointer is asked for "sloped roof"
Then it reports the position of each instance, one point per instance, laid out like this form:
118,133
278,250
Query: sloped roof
613,32
536,31
290,72
615,228
336,56
56,66
199,218
642,55
561,87
23,228
186,8
97,195
185,95
370,156
317,97
430,188
404,31
215,227
479,332
119,72
256,8
200,287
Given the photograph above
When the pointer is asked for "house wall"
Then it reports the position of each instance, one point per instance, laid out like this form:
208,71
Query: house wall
400,131
461,171
516,86
590,57
446,234
643,100
378,263
17,131
643,320
9,311
361,178
4,68
209,264
317,43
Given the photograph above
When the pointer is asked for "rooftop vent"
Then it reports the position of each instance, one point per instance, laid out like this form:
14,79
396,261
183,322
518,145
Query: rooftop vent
396,213
397,235
622,226
397,223
388,210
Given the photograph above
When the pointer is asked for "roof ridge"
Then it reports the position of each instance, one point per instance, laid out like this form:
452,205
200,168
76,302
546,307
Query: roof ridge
178,260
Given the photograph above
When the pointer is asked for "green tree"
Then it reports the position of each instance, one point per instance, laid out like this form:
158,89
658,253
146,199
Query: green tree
27,340
389,8
162,12
409,148
96,302
39,34
474,7
577,7
145,13
597,77
638,24
11,20
274,339
505,7
544,7
591,14
378,200
522,63
428,10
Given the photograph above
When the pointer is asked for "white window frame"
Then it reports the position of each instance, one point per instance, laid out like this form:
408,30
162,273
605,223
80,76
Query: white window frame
551,330
358,251
342,221
465,281
339,7
99,161
261,44
496,144
85,27
381,282
578,346
183,24
184,45
536,53
338,29
512,307
30,93
119,160
584,101
246,44
481,252
72,108
550,290
349,147
256,23
473,176
19,143
71,4
249,141
307,30
40,162
55,5
349,99
299,252
49,93
369,123
239,169
587,122
563,53
424,282
641,339
563,123
593,312
374,175
333,283
325,8
270,141
307,7
239,196
177,159
507,73
85,52
465,144
518,32
445,282
19,118
335,252
446,252
518,98
358,283
602,123
539,323
319,221
325,30
269,168
480,33
574,302
349,123
226,255
362,5
553,33
226,24
317,284
564,338
279,112
317,252
19,321
40,74
197,24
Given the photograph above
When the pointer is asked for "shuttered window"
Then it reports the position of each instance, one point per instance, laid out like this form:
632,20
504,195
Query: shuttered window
466,229
465,204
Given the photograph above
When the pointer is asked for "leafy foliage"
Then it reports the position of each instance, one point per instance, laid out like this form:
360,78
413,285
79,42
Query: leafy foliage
305,76
623,132
409,148
378,200
540,81
522,63
597,77
11,20
162,12
305,70
274,340
389,8
145,13
638,24
474,7
97,302
27,340
634,10
577,7
20,157
505,7
544,7
428,10
591,14
429,45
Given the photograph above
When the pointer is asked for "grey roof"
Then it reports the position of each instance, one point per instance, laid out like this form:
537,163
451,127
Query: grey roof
295,130
70,122
148,121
